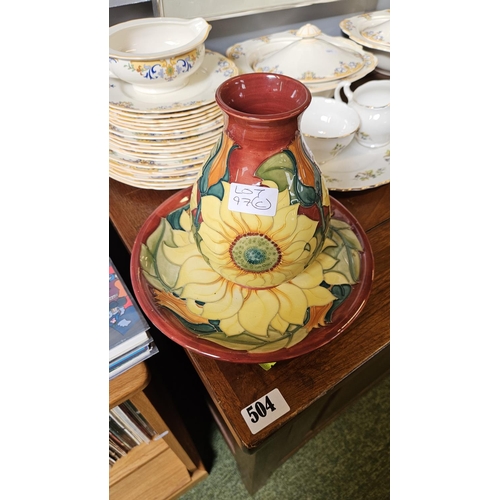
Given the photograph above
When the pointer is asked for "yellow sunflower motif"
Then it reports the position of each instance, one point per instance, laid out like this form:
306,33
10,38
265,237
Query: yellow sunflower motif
255,251
253,319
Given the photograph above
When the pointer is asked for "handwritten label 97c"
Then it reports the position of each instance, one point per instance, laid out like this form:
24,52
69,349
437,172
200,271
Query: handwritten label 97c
250,199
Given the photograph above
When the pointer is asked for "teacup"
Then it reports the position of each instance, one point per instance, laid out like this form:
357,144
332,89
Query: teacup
328,126
372,103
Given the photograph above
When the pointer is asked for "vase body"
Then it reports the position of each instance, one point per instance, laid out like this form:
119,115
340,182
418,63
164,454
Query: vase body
260,209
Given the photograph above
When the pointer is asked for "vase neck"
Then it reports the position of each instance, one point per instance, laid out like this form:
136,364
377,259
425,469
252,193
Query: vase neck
270,134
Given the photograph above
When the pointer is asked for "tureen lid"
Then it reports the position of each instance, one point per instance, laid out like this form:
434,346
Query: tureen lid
379,33
310,57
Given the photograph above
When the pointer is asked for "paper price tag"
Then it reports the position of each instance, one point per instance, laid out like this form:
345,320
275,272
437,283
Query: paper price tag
265,411
256,200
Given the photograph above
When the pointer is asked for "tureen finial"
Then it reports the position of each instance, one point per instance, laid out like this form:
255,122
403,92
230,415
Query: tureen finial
308,31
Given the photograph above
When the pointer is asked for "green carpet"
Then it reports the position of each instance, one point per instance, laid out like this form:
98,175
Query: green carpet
348,460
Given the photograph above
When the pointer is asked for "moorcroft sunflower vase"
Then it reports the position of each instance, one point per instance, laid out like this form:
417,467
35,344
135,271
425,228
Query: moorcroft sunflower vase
254,259
260,209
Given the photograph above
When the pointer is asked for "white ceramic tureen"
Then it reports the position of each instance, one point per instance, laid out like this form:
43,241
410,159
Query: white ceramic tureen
373,31
319,61
308,57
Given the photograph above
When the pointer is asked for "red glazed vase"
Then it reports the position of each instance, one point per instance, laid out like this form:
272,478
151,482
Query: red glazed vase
260,209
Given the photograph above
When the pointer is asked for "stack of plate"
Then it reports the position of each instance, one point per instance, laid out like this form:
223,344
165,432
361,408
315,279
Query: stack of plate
160,141
319,61
373,31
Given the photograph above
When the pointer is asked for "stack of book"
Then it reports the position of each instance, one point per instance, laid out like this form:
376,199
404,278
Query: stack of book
129,339
127,428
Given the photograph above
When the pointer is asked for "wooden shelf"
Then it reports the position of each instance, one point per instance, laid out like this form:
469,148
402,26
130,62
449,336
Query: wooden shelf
128,384
150,472
135,459
160,469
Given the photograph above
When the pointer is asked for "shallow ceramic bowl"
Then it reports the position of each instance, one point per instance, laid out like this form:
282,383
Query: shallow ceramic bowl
159,54
328,126
172,325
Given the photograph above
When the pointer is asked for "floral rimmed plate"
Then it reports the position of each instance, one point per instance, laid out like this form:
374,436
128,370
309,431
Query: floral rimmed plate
165,125
170,163
166,145
163,153
173,183
156,173
347,307
371,29
160,136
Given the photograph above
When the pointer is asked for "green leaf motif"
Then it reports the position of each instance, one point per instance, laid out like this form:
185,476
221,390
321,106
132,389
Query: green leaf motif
215,189
346,251
156,236
279,168
198,328
203,180
347,233
167,271
341,292
153,281
147,260
310,195
173,219
159,271
306,195
148,266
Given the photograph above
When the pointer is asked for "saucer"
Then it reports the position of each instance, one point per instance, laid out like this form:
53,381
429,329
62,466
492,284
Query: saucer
172,323
357,168
199,91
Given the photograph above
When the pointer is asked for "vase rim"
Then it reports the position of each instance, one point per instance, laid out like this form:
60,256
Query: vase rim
302,99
